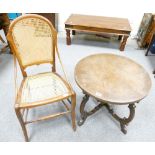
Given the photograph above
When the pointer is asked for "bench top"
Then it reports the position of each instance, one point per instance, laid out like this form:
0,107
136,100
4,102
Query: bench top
111,23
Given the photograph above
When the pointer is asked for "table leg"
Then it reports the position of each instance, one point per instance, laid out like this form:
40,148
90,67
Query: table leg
123,121
68,38
123,43
85,114
73,32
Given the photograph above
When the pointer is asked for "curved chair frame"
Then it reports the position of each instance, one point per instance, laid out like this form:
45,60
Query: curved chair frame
21,108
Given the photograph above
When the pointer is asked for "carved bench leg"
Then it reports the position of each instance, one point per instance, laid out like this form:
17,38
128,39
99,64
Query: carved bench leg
73,32
123,43
119,37
68,38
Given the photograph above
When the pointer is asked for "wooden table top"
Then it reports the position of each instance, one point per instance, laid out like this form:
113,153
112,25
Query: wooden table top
110,23
112,78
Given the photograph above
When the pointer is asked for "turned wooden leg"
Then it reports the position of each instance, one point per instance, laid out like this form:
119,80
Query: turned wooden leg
73,32
73,105
20,118
123,43
1,39
68,38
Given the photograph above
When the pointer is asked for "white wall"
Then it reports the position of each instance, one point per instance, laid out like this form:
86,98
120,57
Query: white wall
131,9
133,19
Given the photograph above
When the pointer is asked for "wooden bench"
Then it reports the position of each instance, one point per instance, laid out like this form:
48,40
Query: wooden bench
98,24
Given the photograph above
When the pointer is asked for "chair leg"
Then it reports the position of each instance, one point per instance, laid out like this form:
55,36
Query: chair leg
20,118
1,39
73,105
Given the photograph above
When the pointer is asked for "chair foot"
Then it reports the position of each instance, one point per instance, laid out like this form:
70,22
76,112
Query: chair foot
74,128
20,118
73,120
73,115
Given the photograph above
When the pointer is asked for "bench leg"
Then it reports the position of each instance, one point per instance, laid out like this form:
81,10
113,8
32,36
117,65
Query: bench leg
123,43
68,38
119,37
73,32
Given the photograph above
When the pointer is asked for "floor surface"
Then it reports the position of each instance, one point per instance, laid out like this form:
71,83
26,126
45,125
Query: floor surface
100,126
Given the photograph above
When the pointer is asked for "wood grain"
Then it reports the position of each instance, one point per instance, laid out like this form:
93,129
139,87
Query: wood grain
99,22
112,78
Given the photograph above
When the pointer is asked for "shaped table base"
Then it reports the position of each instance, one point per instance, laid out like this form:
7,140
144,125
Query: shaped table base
123,121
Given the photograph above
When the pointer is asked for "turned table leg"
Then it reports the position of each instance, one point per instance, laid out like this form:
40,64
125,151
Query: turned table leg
123,43
68,38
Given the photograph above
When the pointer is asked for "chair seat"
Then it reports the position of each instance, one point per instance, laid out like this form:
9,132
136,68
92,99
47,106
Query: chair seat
45,87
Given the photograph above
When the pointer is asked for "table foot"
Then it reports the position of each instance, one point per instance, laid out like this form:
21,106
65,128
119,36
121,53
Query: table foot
83,118
83,113
123,121
123,128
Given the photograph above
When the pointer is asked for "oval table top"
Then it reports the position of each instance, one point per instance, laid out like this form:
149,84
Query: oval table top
112,78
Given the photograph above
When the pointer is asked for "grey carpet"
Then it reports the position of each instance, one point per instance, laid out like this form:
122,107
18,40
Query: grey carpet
100,126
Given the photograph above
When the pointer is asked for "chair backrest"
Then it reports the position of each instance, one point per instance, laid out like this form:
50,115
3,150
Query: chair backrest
32,39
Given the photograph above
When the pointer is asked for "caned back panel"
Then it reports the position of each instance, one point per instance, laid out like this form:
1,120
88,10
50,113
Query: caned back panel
33,38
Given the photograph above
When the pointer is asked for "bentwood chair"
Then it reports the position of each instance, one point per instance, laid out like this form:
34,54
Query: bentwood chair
33,41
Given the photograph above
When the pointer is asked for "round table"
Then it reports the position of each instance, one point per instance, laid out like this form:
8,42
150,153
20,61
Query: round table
111,79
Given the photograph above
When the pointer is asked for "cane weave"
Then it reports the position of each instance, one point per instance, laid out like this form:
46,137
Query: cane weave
33,40
43,87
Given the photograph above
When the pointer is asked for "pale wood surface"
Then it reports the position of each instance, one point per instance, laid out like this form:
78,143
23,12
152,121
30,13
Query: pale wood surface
112,78
107,23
